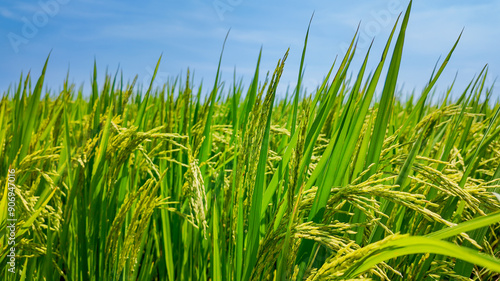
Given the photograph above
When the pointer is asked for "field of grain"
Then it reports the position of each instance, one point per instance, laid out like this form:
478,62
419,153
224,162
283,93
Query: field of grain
172,184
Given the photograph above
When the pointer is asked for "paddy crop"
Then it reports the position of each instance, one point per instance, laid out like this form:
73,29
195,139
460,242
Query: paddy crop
172,184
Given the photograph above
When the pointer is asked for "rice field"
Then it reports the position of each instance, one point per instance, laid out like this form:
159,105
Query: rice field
171,183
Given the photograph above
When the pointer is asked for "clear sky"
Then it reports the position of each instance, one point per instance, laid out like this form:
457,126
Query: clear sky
132,35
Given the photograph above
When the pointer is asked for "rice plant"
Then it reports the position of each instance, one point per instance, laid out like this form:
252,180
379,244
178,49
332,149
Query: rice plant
237,184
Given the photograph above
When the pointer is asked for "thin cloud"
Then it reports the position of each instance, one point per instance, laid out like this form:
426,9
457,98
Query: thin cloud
8,14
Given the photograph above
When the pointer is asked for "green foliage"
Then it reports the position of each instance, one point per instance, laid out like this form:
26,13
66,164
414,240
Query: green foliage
241,185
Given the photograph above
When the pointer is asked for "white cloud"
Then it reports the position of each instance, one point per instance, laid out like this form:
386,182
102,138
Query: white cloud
8,14
434,29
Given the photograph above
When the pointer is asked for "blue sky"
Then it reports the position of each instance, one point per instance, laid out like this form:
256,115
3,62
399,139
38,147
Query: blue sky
190,33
